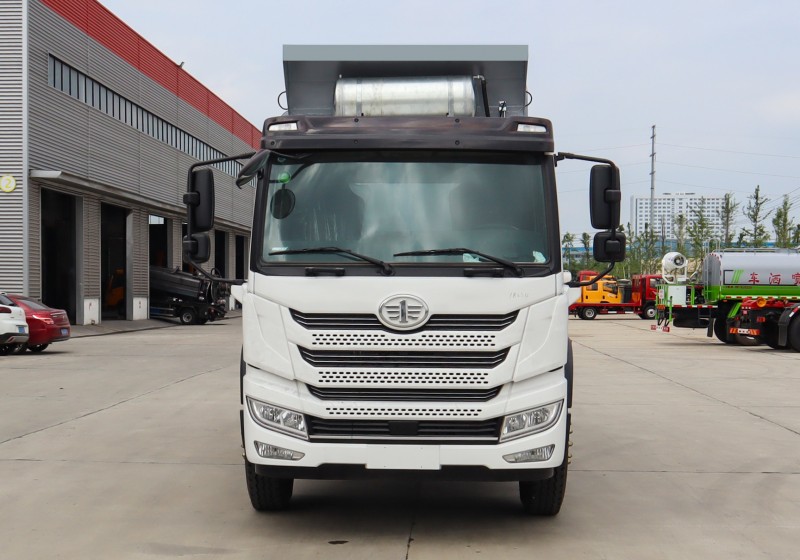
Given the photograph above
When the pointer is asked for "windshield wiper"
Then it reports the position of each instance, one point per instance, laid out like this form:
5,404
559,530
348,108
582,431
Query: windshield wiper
386,268
462,251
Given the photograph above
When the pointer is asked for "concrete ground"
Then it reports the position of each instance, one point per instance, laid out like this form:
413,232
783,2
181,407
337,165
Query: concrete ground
127,446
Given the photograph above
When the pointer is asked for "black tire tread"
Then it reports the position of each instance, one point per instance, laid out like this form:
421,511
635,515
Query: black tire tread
267,494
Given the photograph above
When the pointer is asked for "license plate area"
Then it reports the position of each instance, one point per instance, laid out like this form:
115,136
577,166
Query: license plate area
403,457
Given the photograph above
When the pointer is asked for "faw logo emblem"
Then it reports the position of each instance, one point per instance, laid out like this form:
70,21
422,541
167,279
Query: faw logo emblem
403,313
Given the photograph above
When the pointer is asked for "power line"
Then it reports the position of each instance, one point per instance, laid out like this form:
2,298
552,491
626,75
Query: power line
731,170
729,151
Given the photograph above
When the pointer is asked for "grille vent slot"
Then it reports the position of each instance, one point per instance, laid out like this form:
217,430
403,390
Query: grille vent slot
345,358
425,340
367,321
417,412
468,431
403,394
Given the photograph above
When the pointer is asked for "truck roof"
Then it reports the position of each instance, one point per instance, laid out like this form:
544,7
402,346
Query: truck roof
311,71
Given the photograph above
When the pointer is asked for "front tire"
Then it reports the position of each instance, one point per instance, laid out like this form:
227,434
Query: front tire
267,494
544,497
36,348
649,313
589,313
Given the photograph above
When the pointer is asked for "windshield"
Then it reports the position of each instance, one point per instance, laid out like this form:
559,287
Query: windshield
403,202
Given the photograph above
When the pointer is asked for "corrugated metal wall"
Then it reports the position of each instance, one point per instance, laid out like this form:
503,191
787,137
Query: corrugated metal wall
122,165
12,226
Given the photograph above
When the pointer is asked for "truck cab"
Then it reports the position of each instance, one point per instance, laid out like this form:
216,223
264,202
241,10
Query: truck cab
405,312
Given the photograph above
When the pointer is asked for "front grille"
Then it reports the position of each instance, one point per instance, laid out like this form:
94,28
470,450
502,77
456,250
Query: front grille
342,358
392,431
367,321
396,394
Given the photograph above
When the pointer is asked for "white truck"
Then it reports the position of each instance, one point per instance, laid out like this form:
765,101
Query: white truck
405,310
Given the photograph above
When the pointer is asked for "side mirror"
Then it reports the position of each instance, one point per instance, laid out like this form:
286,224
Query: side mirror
199,199
197,248
607,248
604,196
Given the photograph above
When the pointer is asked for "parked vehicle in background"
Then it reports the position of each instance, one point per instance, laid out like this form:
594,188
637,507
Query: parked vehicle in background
726,280
45,324
13,328
616,295
195,300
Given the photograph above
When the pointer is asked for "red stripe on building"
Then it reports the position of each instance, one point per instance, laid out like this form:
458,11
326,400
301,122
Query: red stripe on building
100,24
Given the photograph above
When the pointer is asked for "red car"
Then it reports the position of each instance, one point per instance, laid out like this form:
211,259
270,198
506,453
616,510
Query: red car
46,325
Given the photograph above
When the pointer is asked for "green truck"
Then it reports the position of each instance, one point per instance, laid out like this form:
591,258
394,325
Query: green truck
712,298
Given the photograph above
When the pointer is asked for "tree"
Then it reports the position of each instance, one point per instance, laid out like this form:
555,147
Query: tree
699,230
755,214
679,228
586,241
566,247
726,215
796,236
783,224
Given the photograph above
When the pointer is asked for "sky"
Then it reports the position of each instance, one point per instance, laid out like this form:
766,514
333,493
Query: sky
720,79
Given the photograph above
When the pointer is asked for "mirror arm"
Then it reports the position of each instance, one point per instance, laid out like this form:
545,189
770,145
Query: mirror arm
576,284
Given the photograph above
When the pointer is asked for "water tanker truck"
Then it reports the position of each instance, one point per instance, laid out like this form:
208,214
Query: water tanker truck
728,279
405,310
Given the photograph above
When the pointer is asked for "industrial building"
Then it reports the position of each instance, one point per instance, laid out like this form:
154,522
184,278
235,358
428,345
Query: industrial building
97,131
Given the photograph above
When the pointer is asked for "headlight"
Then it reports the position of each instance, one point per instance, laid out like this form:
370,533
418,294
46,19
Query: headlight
276,418
530,421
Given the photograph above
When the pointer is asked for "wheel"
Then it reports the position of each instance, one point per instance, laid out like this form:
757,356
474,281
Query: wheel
267,494
794,334
6,349
589,313
649,313
36,348
544,497
721,331
187,316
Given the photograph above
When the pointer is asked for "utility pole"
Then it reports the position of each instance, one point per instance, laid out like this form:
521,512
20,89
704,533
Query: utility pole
653,179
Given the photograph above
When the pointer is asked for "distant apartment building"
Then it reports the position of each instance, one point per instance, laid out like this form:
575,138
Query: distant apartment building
668,206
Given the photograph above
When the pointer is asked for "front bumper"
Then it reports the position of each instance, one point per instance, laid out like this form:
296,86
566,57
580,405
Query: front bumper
416,459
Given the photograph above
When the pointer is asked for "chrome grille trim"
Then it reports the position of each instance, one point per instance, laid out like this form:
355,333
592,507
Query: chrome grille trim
367,321
403,394
345,358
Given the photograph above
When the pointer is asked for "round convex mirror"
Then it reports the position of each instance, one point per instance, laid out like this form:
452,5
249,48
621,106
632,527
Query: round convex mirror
282,204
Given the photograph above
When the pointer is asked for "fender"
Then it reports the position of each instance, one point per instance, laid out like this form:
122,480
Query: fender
783,323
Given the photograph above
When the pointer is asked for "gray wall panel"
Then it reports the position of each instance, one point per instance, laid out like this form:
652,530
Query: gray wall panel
157,100
192,121
141,253
114,73
12,205
92,270
113,152
158,173
59,136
